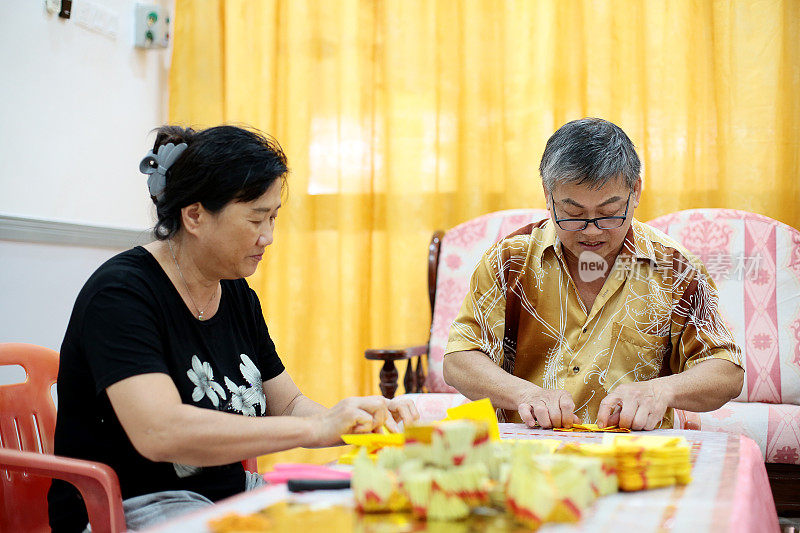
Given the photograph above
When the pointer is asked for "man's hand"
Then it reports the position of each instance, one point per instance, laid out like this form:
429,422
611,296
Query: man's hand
638,405
403,410
551,408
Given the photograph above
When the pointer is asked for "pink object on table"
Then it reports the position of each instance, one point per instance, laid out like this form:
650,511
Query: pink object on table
753,508
286,471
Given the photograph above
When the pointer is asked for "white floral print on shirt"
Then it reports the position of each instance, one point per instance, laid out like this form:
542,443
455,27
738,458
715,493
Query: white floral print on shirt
243,398
255,393
183,471
202,376
239,398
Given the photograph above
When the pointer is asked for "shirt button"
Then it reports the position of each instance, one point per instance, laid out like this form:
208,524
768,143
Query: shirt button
584,330
576,369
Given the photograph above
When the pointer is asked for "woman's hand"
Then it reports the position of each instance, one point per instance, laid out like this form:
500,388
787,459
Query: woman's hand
360,414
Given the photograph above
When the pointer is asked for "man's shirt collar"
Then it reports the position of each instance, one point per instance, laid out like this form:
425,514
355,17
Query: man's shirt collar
636,243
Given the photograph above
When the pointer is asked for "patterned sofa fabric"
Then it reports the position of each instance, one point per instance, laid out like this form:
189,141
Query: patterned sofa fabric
460,250
774,427
433,406
755,262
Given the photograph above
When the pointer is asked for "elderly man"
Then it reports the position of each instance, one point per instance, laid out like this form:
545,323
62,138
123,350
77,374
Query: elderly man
591,315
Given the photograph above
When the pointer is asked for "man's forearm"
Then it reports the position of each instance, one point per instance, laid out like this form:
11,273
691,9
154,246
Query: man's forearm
476,376
705,387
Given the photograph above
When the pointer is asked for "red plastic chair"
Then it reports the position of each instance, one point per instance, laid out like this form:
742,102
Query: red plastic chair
27,426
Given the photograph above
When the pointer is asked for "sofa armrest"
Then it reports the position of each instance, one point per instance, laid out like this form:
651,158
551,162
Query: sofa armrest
414,378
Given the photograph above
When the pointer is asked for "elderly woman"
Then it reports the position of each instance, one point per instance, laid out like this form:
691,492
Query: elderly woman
168,373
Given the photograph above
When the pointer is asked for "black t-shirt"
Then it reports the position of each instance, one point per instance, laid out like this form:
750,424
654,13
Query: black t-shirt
128,320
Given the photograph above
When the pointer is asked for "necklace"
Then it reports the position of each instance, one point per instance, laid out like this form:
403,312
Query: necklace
199,311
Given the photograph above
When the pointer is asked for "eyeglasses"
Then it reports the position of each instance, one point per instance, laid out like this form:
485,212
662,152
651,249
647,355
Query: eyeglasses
580,224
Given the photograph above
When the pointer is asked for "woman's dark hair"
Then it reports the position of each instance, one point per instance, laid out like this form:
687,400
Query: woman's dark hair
220,165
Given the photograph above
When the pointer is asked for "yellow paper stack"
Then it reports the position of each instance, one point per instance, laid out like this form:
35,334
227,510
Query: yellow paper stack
530,492
375,488
372,443
441,469
550,488
593,428
444,470
607,480
649,462
443,479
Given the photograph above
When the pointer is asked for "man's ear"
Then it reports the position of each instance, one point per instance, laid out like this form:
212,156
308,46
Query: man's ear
546,198
637,192
192,217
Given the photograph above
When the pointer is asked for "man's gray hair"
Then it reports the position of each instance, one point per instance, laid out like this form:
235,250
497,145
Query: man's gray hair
589,151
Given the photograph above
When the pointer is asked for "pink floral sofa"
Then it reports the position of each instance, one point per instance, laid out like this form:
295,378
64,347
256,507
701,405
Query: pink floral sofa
755,262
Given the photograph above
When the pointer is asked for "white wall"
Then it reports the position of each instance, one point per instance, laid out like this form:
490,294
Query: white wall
76,107
38,287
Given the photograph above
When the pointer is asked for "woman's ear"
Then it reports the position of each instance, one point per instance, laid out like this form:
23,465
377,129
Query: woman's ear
192,217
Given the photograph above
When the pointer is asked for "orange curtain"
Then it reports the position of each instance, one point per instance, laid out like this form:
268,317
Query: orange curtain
400,117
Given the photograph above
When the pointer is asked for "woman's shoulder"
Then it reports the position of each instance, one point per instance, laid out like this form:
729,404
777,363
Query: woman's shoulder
241,295
240,289
132,268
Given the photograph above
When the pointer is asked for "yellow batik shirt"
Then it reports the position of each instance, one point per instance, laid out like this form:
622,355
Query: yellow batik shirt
656,314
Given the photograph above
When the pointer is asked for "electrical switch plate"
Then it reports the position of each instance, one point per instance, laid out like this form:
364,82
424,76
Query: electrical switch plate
96,17
151,26
52,6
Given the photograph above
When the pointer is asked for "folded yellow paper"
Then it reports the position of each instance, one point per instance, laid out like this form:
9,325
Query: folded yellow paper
594,428
480,411
374,440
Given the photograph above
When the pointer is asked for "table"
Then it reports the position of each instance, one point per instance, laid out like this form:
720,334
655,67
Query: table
729,492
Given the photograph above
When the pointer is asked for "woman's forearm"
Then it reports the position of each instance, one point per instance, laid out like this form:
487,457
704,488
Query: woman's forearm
202,437
304,406
162,428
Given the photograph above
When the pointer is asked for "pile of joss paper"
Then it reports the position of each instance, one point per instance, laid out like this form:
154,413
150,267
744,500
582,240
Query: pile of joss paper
445,470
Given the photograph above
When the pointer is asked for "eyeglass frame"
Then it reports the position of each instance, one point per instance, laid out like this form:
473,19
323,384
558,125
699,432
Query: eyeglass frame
587,221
